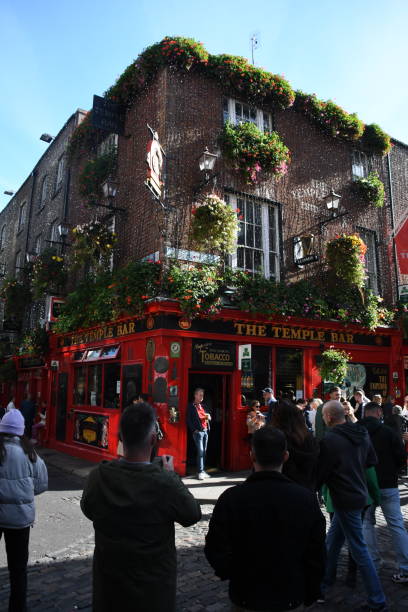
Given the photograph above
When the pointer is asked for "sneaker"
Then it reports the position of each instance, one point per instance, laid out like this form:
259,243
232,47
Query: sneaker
400,578
321,600
201,475
206,475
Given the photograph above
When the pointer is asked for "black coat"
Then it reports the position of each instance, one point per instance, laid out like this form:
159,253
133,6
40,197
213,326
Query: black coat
390,452
301,467
267,537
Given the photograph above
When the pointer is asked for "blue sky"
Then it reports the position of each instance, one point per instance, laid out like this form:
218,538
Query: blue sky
56,55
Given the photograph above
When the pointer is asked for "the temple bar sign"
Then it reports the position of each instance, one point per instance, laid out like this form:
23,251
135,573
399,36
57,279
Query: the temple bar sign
213,355
107,115
301,333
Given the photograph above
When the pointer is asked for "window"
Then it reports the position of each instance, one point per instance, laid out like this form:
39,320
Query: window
111,388
239,112
22,215
94,385
258,239
3,237
359,164
79,386
18,265
370,240
98,384
110,144
37,245
44,189
54,235
60,172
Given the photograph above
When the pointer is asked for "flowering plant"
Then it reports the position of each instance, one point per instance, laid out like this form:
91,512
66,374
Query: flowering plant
333,365
253,151
345,257
370,189
48,273
94,173
92,244
214,225
35,342
376,140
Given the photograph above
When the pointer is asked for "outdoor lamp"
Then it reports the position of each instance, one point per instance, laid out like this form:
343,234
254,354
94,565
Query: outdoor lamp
46,138
206,160
332,202
109,188
8,192
63,230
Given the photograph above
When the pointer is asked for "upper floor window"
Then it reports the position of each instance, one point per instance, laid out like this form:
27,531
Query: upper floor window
3,237
54,235
37,245
258,236
18,265
359,164
22,215
370,240
109,145
60,172
239,112
44,189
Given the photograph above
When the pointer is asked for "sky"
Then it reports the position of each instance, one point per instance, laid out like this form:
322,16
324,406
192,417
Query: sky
56,55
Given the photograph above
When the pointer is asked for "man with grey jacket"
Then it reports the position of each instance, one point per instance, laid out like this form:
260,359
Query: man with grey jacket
22,476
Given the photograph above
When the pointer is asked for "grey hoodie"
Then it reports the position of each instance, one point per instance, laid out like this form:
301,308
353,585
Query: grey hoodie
345,453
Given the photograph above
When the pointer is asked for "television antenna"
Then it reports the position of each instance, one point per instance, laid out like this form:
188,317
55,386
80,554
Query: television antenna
254,44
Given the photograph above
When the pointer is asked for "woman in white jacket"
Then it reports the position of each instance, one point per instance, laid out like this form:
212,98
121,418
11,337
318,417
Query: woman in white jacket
22,475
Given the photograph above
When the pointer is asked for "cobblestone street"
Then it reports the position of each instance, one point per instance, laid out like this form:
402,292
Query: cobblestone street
61,581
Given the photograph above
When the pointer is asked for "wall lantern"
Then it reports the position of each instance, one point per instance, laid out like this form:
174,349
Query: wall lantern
109,188
206,163
332,202
63,230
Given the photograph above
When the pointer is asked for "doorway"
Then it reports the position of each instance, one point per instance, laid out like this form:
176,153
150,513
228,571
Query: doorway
216,392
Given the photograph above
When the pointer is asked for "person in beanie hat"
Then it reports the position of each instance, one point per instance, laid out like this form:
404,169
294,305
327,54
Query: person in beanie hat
22,475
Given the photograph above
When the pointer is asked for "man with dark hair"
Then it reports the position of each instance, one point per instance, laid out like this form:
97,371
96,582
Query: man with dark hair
134,504
345,454
198,422
271,552
391,458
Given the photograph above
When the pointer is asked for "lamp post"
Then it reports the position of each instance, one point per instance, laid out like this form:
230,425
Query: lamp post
332,203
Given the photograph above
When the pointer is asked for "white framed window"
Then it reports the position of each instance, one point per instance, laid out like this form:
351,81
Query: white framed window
54,235
370,239
359,164
37,245
3,236
258,236
60,172
109,145
22,214
44,190
18,266
239,112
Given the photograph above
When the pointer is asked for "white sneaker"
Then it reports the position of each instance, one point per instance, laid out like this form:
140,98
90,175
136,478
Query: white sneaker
206,475
201,475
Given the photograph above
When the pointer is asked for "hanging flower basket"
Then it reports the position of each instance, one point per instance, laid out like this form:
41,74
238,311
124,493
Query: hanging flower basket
48,273
345,257
370,190
92,244
333,365
214,226
254,153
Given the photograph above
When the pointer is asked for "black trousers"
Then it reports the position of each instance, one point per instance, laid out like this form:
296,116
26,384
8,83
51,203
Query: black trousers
17,559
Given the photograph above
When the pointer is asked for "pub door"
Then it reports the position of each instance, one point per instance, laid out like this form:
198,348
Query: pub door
216,395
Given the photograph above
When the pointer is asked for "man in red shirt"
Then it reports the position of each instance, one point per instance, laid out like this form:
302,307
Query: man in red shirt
198,422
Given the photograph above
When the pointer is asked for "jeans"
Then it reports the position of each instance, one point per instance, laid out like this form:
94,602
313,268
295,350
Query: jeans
200,439
391,507
17,559
348,525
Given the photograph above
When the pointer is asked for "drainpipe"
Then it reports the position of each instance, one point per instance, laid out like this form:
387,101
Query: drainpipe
394,248
34,175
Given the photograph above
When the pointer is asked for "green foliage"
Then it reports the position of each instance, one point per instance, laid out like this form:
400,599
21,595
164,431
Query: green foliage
35,342
370,189
17,297
92,245
333,365
330,117
197,288
94,173
376,140
48,273
137,282
345,257
253,151
83,138
214,225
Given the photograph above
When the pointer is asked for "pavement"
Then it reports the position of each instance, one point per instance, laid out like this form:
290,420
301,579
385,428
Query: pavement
60,580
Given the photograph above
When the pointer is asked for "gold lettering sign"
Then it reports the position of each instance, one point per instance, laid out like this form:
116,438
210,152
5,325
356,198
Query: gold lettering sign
293,333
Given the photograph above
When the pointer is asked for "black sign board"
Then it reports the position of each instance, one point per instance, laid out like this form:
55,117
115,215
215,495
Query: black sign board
31,362
213,355
107,115
307,259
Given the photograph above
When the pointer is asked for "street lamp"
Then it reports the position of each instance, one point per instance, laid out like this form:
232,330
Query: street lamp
206,163
46,138
8,192
110,188
332,202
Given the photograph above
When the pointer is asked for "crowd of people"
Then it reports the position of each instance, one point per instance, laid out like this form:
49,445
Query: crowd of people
267,537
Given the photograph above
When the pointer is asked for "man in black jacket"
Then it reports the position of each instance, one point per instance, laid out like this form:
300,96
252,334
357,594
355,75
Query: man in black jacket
391,458
267,535
345,453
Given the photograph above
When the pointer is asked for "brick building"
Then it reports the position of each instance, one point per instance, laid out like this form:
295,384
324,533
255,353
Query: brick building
96,371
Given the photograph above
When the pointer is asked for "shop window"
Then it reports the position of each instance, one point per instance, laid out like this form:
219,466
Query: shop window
79,386
257,376
94,395
258,236
111,385
289,371
78,355
92,354
238,112
109,352
131,383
